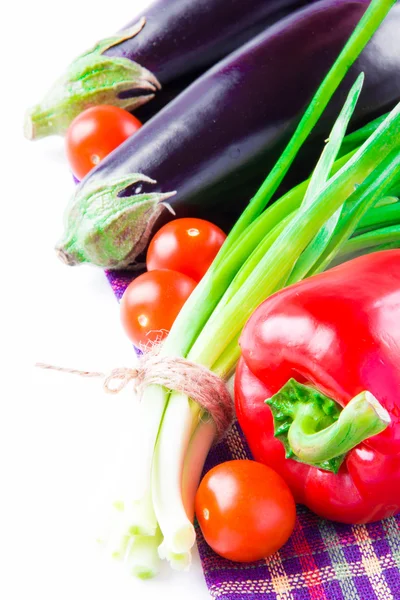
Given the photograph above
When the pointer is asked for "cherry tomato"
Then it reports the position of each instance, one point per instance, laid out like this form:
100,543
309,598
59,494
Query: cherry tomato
245,510
95,133
151,303
185,245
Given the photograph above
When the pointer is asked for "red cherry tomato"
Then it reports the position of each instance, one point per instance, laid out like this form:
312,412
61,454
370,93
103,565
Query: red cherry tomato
185,245
151,303
95,133
245,510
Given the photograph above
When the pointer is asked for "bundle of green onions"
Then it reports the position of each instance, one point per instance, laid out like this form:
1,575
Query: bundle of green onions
353,188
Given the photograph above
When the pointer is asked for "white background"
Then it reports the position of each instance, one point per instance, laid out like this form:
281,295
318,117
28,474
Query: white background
60,436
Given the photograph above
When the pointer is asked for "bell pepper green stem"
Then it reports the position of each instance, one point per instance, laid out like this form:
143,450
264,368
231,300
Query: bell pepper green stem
362,418
315,430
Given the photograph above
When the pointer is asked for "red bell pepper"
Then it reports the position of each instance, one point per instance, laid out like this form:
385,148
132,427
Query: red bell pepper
307,351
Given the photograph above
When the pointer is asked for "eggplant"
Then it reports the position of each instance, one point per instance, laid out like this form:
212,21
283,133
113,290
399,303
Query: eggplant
173,40
182,36
214,144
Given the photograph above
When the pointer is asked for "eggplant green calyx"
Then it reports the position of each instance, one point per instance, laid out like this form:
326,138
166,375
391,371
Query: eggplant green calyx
107,229
92,79
315,430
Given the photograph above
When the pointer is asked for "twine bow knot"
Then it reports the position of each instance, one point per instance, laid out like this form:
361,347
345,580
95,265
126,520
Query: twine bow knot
123,376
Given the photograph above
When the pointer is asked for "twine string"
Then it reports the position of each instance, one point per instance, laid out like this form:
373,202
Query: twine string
174,373
42,365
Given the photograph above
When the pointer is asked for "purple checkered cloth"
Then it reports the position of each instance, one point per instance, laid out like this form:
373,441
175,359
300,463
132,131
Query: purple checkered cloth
322,560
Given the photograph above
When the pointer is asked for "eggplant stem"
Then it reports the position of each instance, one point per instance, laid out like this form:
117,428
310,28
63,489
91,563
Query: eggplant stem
91,79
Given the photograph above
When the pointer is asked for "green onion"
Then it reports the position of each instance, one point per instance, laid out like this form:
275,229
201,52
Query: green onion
357,205
355,139
387,214
263,273
318,180
388,237
142,559
267,248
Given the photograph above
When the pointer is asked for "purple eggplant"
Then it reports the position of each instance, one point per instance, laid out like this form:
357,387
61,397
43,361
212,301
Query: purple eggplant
182,36
173,40
216,141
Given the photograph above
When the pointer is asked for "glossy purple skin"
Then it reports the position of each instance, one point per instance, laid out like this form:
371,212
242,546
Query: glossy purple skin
216,141
184,36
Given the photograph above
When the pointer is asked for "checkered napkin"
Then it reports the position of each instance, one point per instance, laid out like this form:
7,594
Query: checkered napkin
322,560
